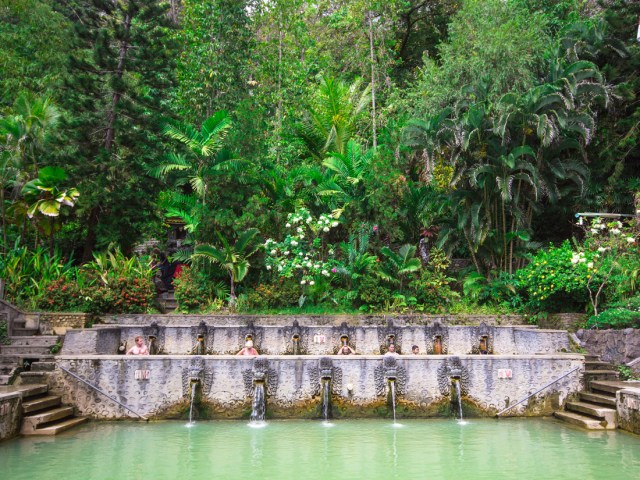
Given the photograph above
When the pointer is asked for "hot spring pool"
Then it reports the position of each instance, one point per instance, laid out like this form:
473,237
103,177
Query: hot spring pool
313,450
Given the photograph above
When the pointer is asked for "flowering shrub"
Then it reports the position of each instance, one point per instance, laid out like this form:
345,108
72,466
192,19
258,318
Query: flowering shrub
556,279
304,253
606,248
63,295
122,295
192,289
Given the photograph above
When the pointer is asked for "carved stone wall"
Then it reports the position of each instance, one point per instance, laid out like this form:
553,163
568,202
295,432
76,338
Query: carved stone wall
155,385
10,414
320,339
615,346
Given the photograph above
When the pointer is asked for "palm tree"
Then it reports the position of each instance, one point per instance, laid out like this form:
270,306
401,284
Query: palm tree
233,258
346,184
331,119
206,157
399,265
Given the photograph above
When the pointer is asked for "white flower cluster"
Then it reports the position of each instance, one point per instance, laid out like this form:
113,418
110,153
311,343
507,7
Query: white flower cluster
578,258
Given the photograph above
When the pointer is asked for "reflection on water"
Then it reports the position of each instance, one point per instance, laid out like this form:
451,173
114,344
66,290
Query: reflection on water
359,449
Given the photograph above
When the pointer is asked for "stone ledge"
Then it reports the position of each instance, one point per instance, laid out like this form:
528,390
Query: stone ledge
53,323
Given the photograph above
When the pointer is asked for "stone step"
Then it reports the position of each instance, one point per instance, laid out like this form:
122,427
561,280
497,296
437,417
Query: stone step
611,386
597,365
59,427
32,422
598,398
29,391
43,366
592,375
24,332
583,421
35,340
33,378
604,414
37,404
5,378
25,350
590,358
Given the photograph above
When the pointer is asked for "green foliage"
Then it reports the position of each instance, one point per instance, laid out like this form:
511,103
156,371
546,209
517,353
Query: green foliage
374,294
194,291
28,272
64,295
556,279
616,318
4,333
283,292
117,284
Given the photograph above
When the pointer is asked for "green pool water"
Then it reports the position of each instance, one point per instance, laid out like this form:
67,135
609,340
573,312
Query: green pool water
310,450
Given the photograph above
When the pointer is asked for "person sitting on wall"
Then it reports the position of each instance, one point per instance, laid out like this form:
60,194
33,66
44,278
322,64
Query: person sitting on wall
392,350
415,350
346,350
248,349
139,348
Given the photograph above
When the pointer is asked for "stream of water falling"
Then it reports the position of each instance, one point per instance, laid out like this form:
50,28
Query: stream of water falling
393,399
258,405
325,399
459,395
193,396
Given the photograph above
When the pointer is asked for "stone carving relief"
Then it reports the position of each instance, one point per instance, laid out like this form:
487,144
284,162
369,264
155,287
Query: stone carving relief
296,335
324,370
452,368
196,373
483,336
389,370
340,333
437,336
388,335
261,372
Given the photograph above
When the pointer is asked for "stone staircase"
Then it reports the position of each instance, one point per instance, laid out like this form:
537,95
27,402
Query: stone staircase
167,301
23,351
595,408
44,414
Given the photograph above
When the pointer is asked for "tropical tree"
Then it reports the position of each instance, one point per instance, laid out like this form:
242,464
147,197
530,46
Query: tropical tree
399,265
346,186
357,261
332,116
234,258
45,196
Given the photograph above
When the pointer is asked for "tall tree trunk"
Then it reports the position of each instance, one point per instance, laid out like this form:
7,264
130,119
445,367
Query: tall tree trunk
373,82
109,139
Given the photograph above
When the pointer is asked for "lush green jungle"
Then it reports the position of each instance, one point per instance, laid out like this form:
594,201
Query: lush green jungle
332,156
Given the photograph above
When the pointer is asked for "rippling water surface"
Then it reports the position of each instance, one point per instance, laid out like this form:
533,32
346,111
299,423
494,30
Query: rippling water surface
315,450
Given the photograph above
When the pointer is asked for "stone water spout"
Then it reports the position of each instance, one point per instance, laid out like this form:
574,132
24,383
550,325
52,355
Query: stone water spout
200,347
260,382
297,338
326,374
154,338
196,379
437,337
453,380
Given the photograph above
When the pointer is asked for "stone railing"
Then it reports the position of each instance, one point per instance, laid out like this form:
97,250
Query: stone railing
628,408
